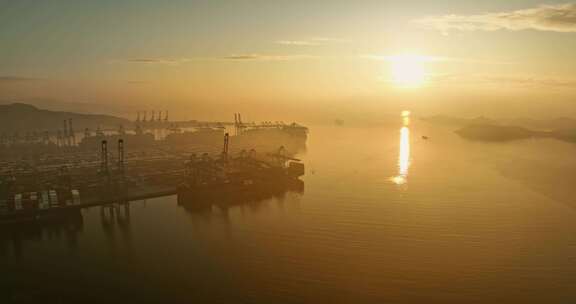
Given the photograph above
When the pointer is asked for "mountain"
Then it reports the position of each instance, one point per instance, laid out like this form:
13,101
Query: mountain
457,121
115,109
508,133
560,123
485,132
18,117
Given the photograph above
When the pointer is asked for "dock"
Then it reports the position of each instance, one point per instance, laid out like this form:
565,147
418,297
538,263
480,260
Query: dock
121,169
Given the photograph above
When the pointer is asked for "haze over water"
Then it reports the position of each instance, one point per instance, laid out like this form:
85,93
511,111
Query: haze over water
385,217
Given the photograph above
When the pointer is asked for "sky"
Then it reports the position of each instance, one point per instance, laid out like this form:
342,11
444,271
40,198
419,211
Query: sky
316,59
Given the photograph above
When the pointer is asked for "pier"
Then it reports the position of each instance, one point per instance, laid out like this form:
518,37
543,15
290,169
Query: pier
121,169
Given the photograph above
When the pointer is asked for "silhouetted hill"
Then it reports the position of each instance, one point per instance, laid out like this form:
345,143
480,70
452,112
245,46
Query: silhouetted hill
457,121
24,117
495,133
565,135
507,133
560,123
486,129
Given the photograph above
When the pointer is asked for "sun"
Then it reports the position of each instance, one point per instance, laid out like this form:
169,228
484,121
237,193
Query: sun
407,70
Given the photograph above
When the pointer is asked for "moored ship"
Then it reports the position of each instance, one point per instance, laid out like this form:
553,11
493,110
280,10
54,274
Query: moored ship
209,181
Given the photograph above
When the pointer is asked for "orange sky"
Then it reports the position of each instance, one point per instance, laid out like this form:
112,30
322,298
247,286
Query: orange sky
209,59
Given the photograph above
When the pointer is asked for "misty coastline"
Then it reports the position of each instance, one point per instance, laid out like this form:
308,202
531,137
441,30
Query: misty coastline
493,130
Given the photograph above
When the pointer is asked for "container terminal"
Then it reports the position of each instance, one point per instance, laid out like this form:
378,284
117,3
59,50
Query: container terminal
201,162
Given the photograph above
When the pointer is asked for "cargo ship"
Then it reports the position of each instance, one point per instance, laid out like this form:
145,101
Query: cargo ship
249,175
39,205
204,201
201,135
270,129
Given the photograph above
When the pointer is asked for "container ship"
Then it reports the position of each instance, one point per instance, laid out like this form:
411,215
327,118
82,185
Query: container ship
39,205
248,176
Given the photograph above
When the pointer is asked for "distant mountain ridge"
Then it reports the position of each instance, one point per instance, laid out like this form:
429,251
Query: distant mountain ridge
17,117
560,123
508,133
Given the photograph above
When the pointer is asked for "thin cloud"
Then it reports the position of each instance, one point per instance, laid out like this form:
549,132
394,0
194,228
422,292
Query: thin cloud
233,57
312,41
535,82
297,42
552,18
12,79
260,57
422,58
506,80
419,58
166,61
495,81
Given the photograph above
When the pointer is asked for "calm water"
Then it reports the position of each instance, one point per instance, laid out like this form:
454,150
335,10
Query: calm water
385,217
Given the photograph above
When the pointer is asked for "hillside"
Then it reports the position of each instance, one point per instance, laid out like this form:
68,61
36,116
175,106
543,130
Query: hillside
19,117
560,123
486,132
507,133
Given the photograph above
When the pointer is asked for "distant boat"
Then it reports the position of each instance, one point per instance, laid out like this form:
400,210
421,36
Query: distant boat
425,137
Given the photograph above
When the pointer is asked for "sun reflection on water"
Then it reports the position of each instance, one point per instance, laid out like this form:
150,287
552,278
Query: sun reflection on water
404,151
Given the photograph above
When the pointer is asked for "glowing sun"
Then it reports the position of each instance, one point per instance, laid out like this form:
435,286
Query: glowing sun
407,70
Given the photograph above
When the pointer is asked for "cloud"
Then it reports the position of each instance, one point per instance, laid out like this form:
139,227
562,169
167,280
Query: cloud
419,58
260,57
166,61
436,59
135,82
297,42
233,57
534,81
312,41
522,81
13,79
494,81
552,18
